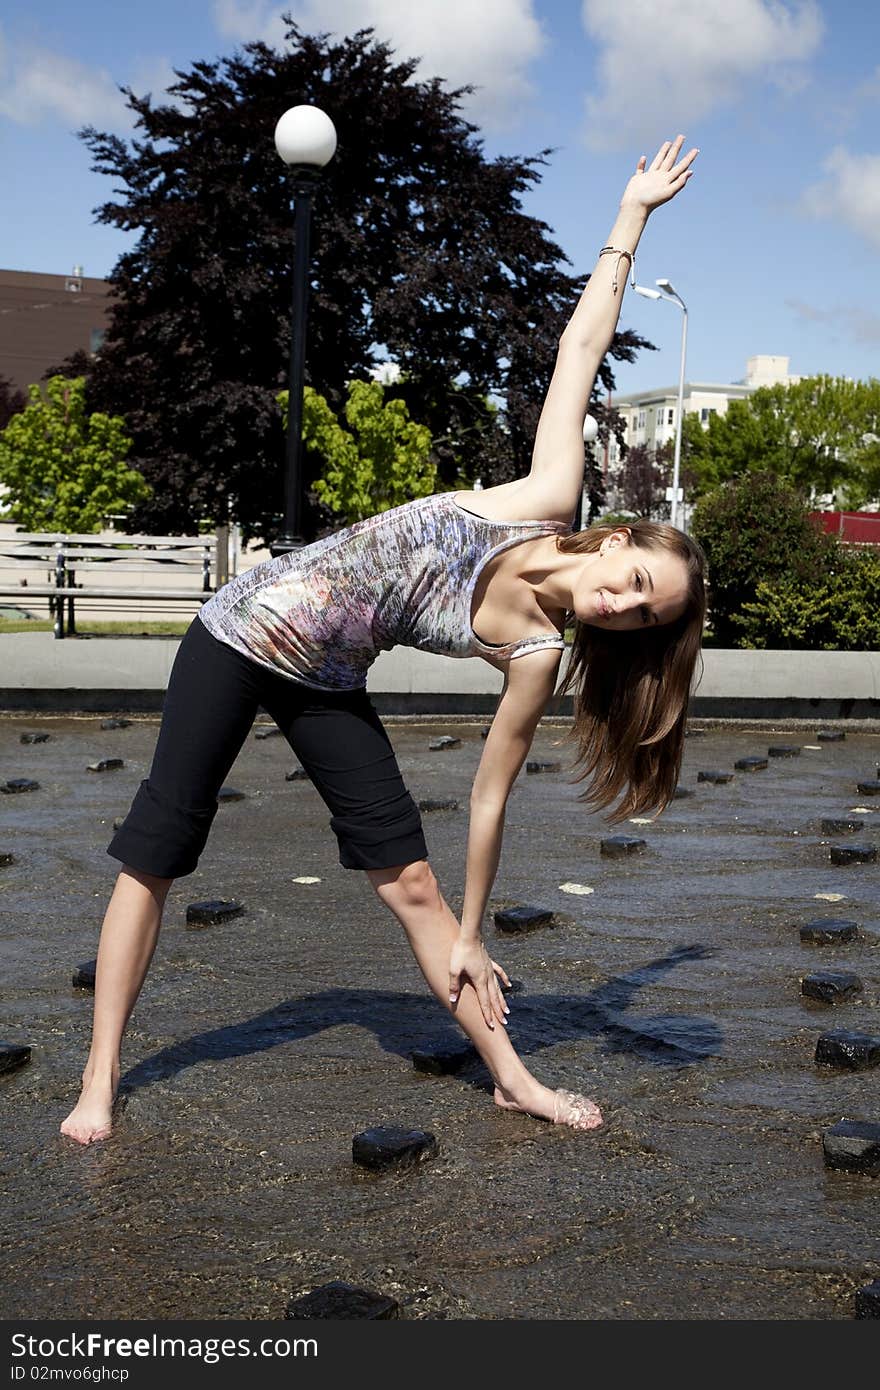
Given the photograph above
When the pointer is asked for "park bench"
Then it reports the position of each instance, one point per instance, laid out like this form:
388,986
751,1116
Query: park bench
98,573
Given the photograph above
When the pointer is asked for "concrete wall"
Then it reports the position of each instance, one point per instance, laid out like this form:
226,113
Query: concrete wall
38,672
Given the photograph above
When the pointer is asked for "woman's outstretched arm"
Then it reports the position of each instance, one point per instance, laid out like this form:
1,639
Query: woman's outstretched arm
558,457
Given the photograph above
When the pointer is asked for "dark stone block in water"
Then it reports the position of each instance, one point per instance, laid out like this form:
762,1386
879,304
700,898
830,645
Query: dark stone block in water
543,767
212,912
515,987
13,1056
715,776
227,794
854,854
446,741
443,1061
84,975
871,788
115,723
830,735
832,826
853,1145
19,784
848,1050
299,774
524,918
484,733
827,931
619,846
268,732
830,986
33,738
784,750
106,765
385,1146
6,858
340,1300
438,803
750,764
681,792
867,1301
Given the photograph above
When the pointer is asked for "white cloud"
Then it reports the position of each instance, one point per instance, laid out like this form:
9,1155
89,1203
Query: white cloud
861,325
664,65
252,20
850,194
37,85
488,43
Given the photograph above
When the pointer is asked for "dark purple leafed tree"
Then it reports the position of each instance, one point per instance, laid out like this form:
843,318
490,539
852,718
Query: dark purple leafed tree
419,243
643,478
12,400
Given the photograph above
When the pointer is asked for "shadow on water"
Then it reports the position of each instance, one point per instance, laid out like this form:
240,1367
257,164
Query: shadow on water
402,1022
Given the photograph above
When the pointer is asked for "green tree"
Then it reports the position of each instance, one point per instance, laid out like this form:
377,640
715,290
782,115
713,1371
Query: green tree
381,461
421,251
864,483
66,469
754,529
814,433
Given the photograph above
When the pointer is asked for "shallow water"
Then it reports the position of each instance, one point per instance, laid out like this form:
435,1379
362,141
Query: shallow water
259,1048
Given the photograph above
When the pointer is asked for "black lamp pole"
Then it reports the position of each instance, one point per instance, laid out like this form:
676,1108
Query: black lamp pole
305,138
305,179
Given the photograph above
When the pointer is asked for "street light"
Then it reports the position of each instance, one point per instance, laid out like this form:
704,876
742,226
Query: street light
305,138
673,297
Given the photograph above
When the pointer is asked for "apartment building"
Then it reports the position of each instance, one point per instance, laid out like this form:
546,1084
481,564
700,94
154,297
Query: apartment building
650,415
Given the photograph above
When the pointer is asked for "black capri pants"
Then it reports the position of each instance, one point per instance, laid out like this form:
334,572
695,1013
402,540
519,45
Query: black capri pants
213,696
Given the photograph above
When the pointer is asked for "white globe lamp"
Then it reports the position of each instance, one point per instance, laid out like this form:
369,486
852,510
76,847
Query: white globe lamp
306,135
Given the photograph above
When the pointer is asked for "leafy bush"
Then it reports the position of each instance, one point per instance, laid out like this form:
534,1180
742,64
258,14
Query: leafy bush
756,533
834,610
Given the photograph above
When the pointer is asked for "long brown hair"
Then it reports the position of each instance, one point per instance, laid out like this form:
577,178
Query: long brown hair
631,689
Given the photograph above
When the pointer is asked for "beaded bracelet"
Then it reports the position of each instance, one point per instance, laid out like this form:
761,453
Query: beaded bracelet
613,250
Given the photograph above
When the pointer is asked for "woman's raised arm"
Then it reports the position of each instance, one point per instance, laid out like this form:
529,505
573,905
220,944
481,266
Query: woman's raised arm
558,457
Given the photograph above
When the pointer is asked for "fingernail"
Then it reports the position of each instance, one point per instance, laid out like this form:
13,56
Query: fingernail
452,998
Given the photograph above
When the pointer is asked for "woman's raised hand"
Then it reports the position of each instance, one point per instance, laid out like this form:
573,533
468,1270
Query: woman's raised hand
655,183
471,959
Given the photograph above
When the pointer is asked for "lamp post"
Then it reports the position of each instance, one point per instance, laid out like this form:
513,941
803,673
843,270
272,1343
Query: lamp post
591,434
673,297
305,138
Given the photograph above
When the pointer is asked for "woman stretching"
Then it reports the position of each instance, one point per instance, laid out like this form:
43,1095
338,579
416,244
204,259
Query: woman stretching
296,635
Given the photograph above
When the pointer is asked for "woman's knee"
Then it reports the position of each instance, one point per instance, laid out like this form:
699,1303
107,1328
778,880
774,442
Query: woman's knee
154,883
411,883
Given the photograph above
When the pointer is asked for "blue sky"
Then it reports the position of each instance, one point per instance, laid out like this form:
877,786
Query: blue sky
773,244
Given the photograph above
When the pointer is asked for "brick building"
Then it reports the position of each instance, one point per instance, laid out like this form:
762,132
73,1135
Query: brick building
44,318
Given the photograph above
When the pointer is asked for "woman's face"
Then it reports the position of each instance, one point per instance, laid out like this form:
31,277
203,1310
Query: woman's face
627,588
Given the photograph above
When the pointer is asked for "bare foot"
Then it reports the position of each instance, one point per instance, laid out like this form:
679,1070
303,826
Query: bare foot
92,1116
562,1107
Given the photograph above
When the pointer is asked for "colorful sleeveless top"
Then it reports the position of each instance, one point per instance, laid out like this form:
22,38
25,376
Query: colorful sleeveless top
321,614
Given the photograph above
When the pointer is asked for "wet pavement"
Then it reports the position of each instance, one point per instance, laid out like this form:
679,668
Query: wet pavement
261,1046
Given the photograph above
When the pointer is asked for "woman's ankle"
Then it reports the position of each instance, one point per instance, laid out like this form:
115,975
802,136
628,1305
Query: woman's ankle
101,1073
517,1084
